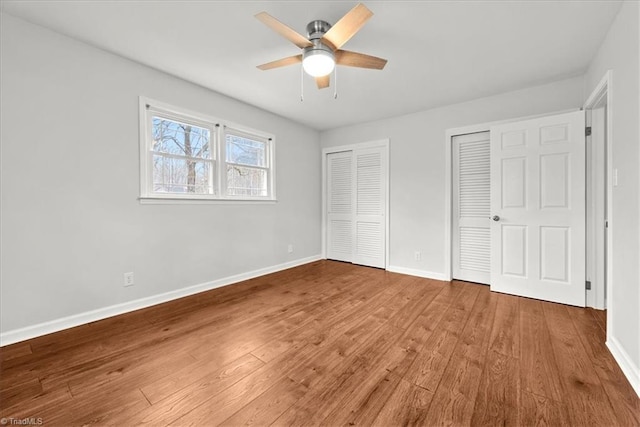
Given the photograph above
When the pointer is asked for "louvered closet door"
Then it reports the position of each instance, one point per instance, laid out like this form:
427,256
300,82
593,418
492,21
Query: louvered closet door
471,207
370,207
340,206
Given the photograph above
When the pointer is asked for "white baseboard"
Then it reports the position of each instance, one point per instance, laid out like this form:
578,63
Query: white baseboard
416,272
22,334
629,369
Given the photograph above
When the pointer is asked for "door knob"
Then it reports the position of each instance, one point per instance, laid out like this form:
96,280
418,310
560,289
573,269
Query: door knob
496,218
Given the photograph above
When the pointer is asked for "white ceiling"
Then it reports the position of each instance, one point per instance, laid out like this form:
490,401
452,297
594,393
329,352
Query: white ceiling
439,52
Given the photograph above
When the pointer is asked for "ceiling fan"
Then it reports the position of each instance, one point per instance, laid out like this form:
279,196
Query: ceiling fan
321,48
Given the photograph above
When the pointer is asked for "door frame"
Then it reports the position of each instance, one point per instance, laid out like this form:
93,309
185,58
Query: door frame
601,96
384,144
448,178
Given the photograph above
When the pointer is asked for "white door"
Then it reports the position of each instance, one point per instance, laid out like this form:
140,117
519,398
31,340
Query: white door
356,184
370,207
471,249
340,206
538,208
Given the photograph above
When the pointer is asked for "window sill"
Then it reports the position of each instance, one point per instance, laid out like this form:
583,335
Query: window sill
150,200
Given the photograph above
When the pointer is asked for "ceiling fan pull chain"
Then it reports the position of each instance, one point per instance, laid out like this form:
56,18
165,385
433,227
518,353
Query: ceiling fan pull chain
335,83
301,84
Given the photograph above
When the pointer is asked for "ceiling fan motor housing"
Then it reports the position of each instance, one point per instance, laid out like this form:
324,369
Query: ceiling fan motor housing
316,29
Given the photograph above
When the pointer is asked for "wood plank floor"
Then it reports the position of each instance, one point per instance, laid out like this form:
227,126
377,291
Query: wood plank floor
326,343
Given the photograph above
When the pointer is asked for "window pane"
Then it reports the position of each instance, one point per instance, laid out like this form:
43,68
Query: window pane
179,138
243,181
246,151
171,175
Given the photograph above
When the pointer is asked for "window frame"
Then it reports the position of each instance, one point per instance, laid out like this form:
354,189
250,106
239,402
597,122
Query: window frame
218,164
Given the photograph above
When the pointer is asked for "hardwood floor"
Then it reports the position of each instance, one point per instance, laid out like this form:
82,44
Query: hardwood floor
326,343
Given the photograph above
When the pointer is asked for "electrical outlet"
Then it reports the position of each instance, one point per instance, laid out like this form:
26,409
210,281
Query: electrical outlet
290,248
417,256
128,279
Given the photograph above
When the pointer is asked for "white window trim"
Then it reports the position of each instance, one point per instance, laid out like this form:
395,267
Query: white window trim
217,128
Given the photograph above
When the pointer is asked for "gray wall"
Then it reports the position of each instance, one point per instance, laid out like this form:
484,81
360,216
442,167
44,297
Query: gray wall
620,53
417,163
71,221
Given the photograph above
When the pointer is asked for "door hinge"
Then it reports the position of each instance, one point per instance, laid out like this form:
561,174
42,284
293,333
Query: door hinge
606,224
587,131
587,285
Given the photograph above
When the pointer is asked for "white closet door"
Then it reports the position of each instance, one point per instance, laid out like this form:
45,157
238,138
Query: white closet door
340,210
370,202
538,207
471,249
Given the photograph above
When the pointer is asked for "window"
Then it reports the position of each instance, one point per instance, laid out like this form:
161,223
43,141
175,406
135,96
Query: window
182,157
246,159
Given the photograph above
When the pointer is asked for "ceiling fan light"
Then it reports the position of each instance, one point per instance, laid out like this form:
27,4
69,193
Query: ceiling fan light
318,62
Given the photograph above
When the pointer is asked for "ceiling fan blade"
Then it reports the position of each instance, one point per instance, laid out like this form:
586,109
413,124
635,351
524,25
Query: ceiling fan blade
323,81
355,59
285,31
347,26
281,62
